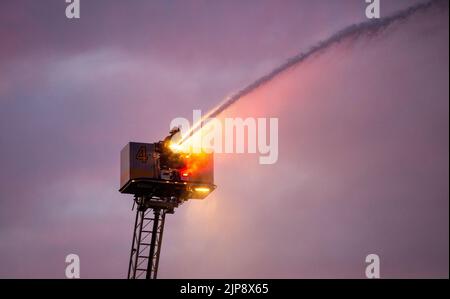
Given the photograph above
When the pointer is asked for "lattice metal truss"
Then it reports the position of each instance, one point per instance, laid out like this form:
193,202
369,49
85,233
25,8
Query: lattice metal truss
146,243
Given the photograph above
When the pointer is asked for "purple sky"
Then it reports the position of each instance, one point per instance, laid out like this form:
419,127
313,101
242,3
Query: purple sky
363,164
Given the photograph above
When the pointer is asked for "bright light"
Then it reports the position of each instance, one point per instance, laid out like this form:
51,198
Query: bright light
176,147
202,189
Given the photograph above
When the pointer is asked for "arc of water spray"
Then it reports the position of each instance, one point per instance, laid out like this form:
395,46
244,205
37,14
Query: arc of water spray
370,26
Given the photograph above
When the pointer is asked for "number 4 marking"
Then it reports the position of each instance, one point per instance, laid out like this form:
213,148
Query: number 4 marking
142,154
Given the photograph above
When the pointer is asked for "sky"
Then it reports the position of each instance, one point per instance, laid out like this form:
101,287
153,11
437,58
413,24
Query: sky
363,164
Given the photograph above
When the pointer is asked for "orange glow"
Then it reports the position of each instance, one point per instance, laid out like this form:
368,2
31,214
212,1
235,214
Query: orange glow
195,163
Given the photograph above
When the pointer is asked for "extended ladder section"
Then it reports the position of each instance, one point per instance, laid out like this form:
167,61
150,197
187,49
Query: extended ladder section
146,243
